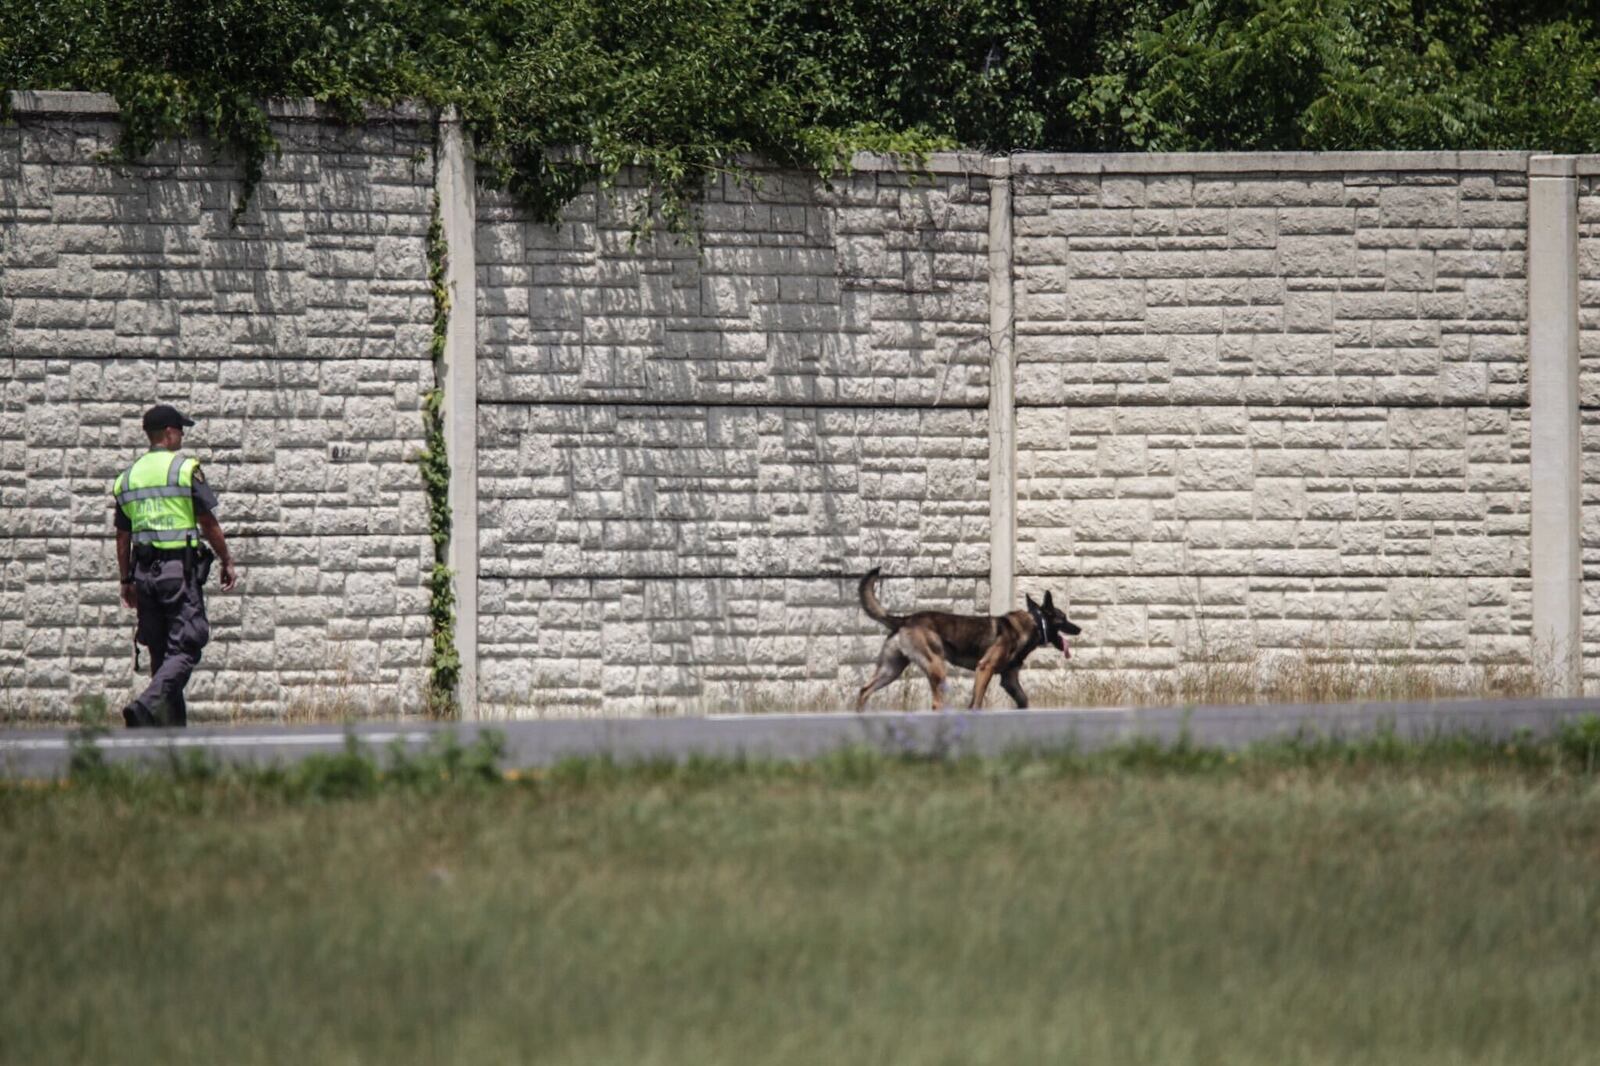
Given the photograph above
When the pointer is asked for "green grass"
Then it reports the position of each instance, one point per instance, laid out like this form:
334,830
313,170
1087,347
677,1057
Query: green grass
1304,903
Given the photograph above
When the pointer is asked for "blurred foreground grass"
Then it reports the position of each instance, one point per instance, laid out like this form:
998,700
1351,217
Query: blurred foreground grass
1376,903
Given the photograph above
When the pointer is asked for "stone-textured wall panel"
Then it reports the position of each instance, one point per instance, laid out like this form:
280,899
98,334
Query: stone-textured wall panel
1235,491
689,452
1159,623
1354,288
10,194
592,646
1276,412
1589,291
873,292
293,447
698,491
1256,410
1589,533
143,261
1179,533
299,341
322,626
1589,425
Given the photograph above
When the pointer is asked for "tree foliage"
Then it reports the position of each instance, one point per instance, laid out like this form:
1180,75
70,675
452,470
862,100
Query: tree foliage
559,95
1386,74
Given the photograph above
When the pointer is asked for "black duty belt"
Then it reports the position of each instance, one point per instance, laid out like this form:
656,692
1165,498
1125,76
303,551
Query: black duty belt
146,554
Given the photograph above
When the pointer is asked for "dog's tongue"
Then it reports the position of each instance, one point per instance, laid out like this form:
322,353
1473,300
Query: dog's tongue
1061,640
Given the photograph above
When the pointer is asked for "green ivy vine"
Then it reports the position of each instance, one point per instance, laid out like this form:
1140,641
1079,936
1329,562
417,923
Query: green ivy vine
434,461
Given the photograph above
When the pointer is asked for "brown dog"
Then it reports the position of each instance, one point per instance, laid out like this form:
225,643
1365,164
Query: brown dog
987,644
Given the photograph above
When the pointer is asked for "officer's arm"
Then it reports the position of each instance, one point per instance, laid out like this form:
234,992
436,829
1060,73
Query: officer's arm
125,565
211,529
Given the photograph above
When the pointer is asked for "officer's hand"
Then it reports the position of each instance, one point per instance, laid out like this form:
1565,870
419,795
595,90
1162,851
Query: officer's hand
130,597
230,576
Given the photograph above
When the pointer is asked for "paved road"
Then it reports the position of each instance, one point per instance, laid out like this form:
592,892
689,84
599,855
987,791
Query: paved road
45,753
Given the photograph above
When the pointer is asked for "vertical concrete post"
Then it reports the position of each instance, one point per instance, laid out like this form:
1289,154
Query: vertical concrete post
458,215
1553,398
1002,395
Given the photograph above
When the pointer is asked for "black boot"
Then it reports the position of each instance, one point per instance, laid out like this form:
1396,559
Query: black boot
136,717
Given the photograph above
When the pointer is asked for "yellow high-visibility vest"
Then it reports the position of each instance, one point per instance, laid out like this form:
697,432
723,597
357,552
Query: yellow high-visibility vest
157,495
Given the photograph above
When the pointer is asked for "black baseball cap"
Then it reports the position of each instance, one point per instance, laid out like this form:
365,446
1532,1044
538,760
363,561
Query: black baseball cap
165,416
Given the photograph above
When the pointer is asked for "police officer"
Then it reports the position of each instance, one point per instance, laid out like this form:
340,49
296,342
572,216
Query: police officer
163,508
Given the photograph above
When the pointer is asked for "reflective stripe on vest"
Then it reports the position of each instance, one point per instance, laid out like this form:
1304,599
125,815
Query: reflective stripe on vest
166,538
158,502
131,495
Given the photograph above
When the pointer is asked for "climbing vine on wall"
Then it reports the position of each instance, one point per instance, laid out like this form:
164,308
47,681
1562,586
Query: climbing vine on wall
445,660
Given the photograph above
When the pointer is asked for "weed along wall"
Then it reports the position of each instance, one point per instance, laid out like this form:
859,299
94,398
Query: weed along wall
1222,405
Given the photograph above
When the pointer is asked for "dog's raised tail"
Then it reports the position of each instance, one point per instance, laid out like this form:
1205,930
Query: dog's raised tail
868,590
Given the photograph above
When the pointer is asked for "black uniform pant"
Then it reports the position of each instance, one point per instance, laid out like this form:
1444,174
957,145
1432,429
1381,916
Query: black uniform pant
173,625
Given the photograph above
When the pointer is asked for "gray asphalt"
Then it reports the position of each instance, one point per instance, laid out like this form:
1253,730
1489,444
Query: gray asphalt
41,754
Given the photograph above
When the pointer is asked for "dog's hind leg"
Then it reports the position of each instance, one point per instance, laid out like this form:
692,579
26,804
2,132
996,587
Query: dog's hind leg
891,664
939,681
927,652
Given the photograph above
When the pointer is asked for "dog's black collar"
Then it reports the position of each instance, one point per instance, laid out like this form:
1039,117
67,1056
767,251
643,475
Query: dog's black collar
1040,629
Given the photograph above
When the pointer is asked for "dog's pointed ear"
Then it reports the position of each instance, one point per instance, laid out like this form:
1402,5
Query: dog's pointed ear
1029,601
1047,604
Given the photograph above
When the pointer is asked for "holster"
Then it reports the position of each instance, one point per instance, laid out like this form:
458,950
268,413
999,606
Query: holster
199,569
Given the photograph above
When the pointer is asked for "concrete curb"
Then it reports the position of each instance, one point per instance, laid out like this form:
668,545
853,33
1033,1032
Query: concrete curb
45,754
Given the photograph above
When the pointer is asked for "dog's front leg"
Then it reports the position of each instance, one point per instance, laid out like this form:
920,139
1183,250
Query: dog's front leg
1012,683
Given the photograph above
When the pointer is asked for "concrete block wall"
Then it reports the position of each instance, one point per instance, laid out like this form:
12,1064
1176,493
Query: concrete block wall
298,341
1588,226
1272,408
1267,401
689,452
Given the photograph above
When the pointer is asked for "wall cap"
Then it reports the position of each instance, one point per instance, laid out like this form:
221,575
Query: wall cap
1261,162
38,102
1552,166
